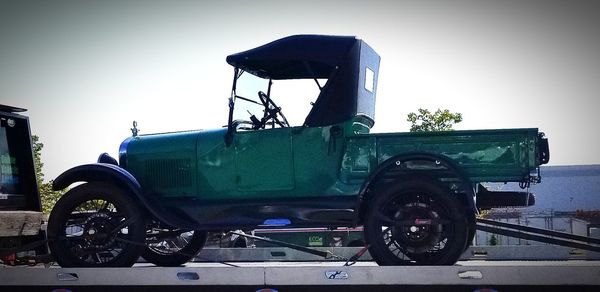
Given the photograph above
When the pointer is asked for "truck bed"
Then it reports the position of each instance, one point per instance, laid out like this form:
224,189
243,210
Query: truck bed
506,155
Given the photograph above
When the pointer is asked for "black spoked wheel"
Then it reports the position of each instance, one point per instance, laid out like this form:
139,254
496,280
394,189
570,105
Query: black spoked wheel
416,222
172,247
96,225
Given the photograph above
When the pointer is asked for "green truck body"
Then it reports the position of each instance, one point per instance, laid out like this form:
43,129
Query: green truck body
308,162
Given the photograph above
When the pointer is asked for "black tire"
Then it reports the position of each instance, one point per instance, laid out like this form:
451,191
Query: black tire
174,250
112,231
240,243
471,234
396,238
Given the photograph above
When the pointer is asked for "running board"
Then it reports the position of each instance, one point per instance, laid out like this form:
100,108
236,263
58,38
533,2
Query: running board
540,235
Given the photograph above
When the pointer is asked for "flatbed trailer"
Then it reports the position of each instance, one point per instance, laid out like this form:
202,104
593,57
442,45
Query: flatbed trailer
233,274
316,276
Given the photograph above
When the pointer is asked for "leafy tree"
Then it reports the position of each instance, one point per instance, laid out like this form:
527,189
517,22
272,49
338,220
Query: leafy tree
37,158
441,120
493,240
47,195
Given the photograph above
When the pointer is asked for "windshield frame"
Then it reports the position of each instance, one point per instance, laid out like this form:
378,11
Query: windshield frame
271,114
233,124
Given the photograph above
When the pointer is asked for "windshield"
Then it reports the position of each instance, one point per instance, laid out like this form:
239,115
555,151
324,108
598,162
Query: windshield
263,104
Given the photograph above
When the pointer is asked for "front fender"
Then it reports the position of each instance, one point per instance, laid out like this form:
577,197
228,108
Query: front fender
97,172
110,173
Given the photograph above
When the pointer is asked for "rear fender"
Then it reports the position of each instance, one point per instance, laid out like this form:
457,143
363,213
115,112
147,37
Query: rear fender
113,174
394,168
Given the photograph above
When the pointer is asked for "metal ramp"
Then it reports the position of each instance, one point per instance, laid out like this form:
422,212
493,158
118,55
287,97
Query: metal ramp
540,235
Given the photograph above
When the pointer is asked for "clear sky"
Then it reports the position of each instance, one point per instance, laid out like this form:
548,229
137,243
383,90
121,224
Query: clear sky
87,69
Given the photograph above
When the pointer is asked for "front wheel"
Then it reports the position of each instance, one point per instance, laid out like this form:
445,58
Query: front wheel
416,221
96,225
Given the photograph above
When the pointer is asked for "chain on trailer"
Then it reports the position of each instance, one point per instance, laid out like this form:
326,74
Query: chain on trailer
324,254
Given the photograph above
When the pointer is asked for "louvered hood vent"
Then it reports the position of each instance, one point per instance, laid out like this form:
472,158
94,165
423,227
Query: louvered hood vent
169,173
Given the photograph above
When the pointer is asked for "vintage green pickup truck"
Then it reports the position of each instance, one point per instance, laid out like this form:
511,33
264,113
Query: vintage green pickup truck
416,194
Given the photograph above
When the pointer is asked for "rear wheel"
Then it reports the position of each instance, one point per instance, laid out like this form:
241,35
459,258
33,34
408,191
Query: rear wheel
96,225
240,243
416,221
172,247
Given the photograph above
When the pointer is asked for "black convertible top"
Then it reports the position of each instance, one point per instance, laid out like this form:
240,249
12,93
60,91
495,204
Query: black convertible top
348,63
11,109
287,58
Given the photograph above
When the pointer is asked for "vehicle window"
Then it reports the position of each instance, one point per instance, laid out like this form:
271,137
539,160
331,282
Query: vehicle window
294,97
13,153
248,87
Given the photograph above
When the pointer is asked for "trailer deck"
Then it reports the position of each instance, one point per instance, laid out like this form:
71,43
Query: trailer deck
316,276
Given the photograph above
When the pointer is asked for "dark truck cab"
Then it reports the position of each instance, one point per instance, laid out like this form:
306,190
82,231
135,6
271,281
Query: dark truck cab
20,208
414,193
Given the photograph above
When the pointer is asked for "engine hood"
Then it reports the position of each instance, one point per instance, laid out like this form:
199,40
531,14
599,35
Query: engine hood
166,164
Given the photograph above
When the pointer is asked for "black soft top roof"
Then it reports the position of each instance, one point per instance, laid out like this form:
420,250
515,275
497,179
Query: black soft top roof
296,57
350,66
11,109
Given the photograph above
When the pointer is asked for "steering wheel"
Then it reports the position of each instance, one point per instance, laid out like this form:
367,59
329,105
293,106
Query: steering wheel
272,111
243,125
